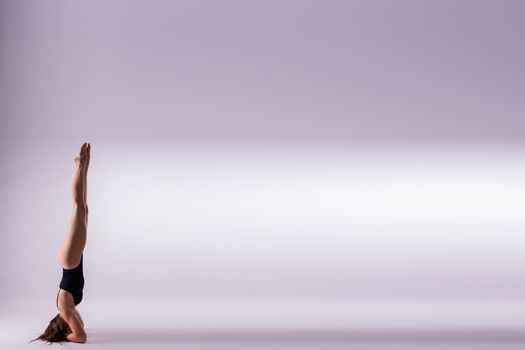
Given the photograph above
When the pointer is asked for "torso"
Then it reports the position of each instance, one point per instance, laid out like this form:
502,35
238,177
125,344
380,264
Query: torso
71,285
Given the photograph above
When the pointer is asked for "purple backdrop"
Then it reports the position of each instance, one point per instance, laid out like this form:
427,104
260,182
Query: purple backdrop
343,149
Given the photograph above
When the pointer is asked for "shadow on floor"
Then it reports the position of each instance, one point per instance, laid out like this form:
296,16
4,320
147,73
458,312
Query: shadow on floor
332,336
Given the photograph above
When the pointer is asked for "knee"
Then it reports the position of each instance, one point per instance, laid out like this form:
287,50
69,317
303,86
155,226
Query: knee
80,208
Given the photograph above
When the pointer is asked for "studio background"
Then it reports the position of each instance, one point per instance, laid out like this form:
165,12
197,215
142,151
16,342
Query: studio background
342,151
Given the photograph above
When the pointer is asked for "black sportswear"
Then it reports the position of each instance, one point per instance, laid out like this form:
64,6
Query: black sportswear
73,281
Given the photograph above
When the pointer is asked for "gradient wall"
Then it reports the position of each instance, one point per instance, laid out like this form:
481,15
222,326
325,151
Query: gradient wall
334,149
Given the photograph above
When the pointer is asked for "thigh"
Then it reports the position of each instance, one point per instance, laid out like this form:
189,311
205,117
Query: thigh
75,240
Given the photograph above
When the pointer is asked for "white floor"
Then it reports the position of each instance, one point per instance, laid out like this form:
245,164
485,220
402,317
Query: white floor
135,323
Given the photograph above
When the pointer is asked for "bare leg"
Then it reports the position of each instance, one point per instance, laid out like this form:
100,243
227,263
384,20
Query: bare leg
88,158
75,239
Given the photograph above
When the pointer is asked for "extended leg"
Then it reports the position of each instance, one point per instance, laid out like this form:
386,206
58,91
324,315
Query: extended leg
88,158
75,239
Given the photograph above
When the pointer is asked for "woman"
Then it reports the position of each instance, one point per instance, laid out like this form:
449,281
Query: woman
68,325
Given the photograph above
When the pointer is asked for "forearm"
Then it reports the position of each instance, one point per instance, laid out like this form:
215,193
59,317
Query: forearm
79,317
76,338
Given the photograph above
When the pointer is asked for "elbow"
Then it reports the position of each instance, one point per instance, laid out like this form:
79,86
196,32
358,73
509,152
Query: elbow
77,338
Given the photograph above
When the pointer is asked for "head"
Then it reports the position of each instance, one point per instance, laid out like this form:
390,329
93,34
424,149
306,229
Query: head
56,331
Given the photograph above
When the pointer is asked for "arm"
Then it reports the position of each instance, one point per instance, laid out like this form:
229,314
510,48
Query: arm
79,317
78,334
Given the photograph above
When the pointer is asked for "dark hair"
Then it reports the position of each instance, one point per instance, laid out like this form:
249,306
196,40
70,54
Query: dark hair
56,331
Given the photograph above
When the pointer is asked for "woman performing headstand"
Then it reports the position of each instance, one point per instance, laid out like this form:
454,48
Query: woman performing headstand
68,325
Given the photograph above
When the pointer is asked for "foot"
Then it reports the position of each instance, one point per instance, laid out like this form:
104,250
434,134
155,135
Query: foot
88,155
81,158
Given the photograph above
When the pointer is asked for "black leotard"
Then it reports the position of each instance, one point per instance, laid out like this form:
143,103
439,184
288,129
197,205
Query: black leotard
73,281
